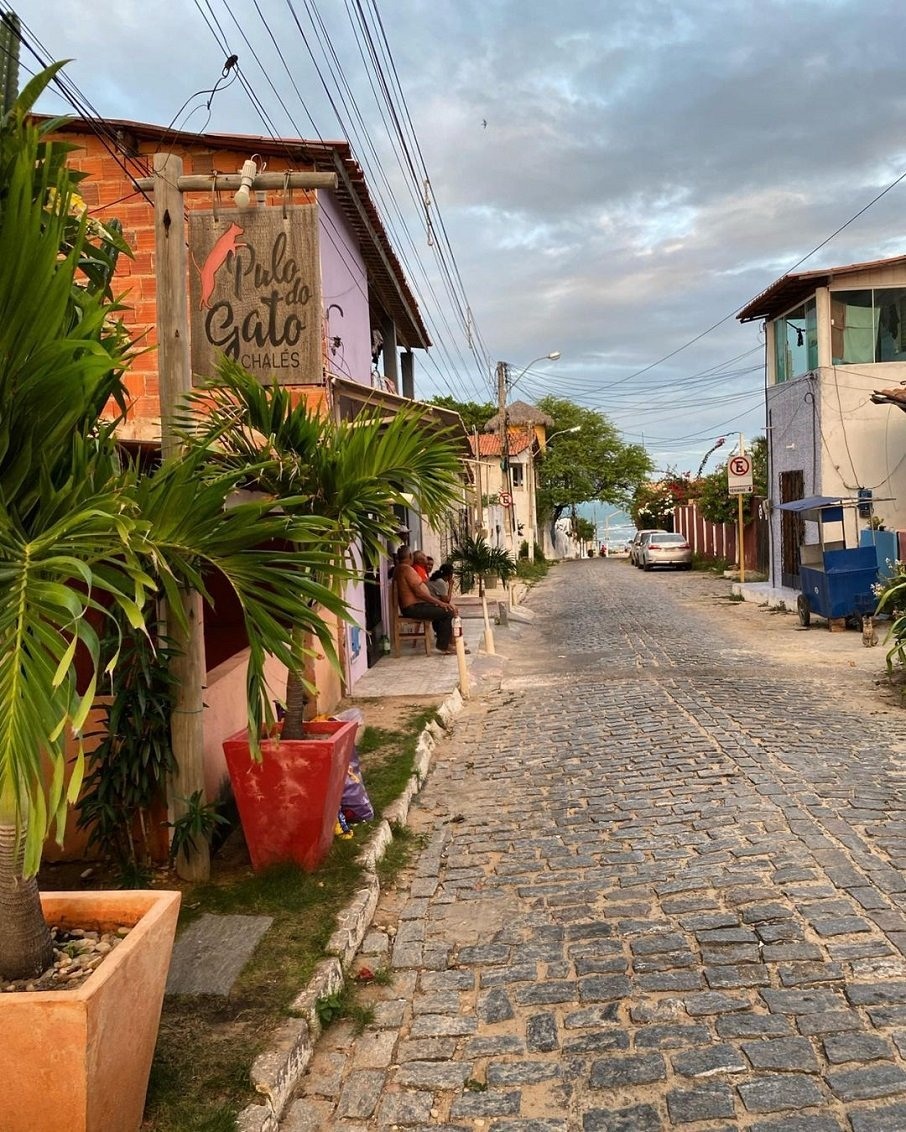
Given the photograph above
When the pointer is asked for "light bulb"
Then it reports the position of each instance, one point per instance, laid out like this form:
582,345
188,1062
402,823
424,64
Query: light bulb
247,175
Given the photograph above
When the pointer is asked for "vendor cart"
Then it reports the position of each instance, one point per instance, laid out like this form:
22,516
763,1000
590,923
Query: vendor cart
836,580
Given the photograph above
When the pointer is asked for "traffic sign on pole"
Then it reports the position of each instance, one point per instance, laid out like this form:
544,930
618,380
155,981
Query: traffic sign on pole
506,500
740,480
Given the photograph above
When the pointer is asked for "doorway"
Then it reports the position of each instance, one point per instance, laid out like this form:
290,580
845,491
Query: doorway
792,486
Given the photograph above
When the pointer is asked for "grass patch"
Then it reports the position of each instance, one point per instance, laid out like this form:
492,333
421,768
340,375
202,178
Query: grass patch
206,1045
709,565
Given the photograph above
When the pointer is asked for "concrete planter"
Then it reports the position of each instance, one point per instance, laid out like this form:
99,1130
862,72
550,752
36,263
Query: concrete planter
79,1059
289,801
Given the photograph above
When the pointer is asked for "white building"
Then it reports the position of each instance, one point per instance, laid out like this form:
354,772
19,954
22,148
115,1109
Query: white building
832,339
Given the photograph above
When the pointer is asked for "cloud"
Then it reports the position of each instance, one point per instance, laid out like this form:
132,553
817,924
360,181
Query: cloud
644,170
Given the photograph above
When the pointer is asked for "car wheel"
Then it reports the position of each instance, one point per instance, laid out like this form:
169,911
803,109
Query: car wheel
646,566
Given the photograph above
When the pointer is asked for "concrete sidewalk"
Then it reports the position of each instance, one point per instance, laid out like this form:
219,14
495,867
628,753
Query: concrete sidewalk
763,593
415,674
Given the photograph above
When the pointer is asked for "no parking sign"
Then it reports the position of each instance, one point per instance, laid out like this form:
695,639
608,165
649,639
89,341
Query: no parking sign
739,474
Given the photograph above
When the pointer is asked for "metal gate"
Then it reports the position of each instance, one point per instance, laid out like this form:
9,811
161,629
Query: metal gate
792,486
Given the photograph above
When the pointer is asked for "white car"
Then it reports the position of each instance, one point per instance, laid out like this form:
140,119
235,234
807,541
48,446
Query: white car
663,549
636,544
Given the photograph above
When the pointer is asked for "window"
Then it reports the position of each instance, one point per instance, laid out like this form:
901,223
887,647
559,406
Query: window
796,342
517,472
868,326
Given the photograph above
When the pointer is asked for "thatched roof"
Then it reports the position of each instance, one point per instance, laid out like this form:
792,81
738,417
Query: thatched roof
520,413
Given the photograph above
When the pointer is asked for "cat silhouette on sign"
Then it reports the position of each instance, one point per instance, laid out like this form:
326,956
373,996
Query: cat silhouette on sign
225,246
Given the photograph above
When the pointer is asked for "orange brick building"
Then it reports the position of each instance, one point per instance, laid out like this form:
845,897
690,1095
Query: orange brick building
368,326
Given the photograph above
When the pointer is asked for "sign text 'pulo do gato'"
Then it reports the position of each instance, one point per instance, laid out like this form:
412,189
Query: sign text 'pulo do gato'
255,292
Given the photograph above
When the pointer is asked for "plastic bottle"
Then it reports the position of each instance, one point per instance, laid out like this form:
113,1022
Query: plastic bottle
457,626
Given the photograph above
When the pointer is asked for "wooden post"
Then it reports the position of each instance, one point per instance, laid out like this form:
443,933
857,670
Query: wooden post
504,433
740,536
188,667
741,541
464,688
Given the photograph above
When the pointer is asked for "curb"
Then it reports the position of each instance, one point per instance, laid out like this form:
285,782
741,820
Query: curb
276,1073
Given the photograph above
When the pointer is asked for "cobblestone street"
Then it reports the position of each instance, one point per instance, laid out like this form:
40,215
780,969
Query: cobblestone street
662,886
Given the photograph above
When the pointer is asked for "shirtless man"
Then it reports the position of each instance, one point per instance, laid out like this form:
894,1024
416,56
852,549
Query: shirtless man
416,600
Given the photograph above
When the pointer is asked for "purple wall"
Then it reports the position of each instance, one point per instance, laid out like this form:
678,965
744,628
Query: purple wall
345,291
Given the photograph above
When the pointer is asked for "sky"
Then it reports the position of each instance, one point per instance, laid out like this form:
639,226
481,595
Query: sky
609,181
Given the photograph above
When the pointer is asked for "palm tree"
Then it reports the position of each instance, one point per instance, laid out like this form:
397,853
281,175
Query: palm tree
348,475
84,537
474,559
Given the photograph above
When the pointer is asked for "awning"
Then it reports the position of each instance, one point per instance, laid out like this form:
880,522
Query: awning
814,503
352,397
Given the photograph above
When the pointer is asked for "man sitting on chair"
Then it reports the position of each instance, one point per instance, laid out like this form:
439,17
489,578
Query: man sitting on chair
418,602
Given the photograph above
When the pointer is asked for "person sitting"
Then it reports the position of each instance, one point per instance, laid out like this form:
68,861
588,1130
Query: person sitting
418,602
394,559
420,564
441,581
429,565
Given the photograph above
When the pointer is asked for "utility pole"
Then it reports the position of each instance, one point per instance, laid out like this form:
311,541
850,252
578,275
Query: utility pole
10,32
504,433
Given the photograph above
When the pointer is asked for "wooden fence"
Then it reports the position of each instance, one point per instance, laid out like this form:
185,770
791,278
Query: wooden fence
718,540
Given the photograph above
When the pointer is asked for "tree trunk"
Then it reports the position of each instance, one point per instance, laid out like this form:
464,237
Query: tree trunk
293,720
295,708
25,943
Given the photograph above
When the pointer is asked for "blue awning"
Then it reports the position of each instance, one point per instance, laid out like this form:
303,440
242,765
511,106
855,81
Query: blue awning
812,503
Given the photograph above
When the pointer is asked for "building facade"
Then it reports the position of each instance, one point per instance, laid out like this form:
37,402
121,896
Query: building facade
832,339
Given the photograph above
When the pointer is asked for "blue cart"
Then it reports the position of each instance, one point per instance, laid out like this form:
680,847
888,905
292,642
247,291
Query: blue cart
836,580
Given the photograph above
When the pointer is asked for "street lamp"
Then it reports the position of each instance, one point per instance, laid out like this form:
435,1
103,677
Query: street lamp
553,356
562,432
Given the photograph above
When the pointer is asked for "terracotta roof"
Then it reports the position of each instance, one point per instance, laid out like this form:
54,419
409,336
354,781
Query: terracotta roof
791,289
520,413
385,273
895,396
489,443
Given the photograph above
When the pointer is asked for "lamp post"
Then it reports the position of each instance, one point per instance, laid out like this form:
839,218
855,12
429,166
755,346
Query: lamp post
562,432
503,385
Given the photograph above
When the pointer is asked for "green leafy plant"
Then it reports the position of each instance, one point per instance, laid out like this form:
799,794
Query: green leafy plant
891,595
474,559
128,770
347,476
331,1008
84,535
197,823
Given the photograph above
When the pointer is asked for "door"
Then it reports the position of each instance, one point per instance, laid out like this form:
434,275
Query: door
792,486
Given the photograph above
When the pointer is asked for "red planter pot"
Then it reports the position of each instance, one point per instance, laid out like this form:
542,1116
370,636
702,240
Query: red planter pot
289,801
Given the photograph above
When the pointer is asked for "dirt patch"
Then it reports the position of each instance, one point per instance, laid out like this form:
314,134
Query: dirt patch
839,659
391,713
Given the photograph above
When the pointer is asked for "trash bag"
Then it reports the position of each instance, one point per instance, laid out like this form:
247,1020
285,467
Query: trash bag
355,805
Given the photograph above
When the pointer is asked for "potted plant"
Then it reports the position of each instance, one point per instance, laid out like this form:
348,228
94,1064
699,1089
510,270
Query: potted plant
475,560
83,538
347,476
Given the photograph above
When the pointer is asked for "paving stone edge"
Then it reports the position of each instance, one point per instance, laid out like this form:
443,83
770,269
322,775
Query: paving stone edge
276,1072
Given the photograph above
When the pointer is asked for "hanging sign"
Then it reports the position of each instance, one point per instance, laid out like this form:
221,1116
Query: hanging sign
740,480
255,292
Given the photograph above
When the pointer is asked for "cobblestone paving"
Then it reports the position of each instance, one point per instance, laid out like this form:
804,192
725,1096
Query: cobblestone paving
663,888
